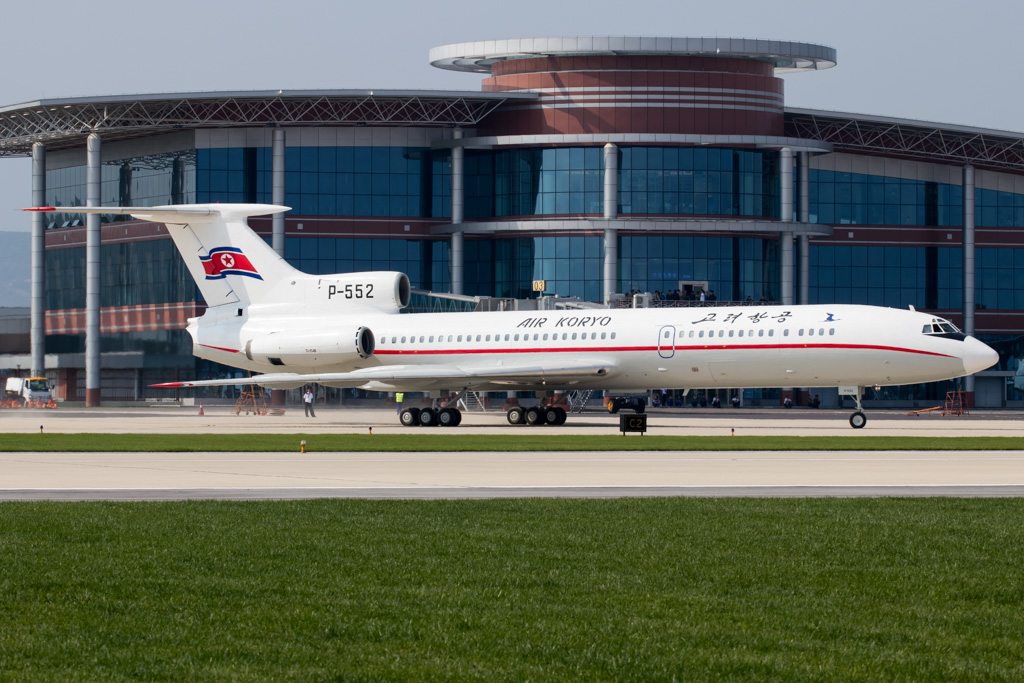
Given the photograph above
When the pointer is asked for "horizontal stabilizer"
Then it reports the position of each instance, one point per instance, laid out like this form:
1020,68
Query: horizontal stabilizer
184,213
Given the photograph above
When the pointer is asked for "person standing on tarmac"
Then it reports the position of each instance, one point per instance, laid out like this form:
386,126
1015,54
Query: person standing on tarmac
307,402
399,397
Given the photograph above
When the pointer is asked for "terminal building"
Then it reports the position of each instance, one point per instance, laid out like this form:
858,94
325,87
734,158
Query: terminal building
600,166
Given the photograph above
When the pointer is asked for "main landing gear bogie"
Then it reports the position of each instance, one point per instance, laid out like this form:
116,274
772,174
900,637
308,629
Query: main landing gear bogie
430,417
538,415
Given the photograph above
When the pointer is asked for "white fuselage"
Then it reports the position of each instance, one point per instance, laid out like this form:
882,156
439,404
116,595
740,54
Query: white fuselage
677,348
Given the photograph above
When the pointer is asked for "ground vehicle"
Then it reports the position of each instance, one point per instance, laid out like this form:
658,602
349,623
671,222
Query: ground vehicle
636,402
34,391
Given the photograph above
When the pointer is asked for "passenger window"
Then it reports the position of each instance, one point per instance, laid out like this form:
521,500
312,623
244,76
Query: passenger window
771,333
821,332
565,335
741,333
431,339
666,334
545,336
506,337
403,340
730,333
478,337
536,337
691,334
574,336
613,335
421,340
832,331
760,333
602,335
785,333
810,332
721,333
488,338
801,332
459,338
701,335
517,337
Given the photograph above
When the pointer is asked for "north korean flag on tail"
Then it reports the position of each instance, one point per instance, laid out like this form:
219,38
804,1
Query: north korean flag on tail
221,261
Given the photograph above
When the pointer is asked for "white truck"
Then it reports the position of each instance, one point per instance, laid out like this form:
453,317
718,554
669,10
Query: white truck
28,391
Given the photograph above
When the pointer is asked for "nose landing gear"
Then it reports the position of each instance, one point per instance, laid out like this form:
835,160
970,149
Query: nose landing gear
858,419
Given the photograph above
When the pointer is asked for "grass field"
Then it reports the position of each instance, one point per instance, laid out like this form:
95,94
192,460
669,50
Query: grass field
487,442
689,589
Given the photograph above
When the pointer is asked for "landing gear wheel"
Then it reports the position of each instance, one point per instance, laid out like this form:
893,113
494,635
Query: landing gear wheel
458,417
858,420
534,416
639,408
446,417
514,415
613,406
562,415
428,417
410,417
552,414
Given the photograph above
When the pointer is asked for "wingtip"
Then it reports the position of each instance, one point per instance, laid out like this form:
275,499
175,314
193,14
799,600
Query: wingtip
41,208
168,385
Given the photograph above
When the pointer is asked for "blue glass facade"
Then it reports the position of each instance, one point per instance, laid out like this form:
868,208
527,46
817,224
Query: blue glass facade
153,180
133,273
426,262
734,268
698,181
924,277
331,181
652,181
573,265
859,199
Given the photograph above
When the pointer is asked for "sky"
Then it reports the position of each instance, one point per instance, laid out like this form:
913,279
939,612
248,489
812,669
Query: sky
940,61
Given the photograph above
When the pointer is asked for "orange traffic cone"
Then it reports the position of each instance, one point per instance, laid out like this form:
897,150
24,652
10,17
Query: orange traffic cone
201,409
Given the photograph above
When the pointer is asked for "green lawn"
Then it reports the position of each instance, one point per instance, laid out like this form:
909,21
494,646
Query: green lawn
648,589
524,441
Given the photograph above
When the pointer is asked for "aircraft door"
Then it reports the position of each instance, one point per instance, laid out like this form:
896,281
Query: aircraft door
667,341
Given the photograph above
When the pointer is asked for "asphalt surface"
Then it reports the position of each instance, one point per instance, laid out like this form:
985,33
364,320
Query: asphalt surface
252,476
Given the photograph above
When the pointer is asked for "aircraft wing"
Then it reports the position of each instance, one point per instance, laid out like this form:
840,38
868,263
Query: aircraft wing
424,377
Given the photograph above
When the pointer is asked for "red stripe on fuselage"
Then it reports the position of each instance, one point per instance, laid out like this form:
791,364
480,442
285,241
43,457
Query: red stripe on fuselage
619,349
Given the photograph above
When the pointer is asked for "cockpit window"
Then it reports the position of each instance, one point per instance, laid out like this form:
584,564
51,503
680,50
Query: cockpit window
940,326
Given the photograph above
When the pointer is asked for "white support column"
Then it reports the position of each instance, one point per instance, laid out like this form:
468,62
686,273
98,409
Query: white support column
277,189
93,176
457,254
611,212
804,216
968,261
786,216
38,320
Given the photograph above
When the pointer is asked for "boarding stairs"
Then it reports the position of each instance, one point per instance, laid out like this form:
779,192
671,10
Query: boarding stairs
578,400
472,401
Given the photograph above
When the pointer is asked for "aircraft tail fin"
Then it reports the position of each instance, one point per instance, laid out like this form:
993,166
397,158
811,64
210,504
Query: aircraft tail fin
230,263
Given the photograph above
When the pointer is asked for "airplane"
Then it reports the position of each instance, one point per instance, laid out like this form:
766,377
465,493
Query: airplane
345,330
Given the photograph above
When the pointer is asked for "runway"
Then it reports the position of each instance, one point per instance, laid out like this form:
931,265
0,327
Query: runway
249,476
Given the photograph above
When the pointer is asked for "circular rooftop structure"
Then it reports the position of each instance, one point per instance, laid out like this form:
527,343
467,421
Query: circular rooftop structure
784,56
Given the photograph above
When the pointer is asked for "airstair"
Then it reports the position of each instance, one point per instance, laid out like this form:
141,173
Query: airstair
472,401
578,400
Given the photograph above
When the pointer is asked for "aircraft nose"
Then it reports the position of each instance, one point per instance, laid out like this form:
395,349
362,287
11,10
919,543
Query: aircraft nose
978,356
